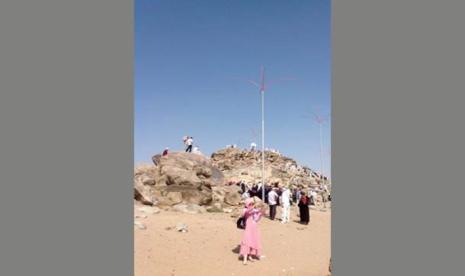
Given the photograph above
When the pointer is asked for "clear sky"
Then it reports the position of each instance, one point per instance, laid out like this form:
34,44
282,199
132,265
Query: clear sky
192,60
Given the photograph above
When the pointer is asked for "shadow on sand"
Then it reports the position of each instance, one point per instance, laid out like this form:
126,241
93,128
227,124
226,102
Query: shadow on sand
300,223
236,250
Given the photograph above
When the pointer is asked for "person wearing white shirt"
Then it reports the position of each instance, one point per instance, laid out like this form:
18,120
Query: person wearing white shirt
286,205
189,143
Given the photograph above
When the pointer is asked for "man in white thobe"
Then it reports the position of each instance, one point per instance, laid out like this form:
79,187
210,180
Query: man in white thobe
286,205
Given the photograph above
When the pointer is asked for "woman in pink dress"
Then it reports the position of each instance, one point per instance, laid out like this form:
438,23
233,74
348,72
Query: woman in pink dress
251,240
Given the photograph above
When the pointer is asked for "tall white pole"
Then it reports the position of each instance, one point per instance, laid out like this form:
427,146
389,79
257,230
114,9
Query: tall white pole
263,144
321,152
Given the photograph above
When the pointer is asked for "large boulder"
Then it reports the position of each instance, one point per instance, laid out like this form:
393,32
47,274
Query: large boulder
218,194
232,196
186,178
143,193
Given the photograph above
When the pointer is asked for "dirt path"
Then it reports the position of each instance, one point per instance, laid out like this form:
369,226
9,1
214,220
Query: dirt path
210,247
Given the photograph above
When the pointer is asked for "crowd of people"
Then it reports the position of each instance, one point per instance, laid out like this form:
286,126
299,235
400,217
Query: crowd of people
275,195
253,148
295,194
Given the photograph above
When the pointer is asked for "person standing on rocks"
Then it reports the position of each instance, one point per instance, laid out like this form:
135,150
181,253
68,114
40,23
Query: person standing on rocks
253,146
251,240
189,143
196,150
286,205
165,152
273,202
184,140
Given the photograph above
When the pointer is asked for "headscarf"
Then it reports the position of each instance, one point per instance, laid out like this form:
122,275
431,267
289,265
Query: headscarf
249,202
304,199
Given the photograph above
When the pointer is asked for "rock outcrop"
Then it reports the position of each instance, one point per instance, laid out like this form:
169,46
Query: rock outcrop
237,164
187,179
143,183
177,178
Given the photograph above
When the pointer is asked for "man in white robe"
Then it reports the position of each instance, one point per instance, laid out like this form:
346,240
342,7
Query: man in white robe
286,205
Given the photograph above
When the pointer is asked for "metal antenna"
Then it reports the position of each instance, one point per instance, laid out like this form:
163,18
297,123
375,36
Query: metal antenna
329,171
262,86
320,121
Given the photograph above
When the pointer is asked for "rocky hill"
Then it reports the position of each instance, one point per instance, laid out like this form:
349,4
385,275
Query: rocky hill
237,164
195,183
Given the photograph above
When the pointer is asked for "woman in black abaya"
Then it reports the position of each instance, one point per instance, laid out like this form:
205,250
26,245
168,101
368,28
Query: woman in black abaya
303,208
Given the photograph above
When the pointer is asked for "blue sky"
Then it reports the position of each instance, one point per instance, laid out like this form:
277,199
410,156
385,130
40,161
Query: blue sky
191,62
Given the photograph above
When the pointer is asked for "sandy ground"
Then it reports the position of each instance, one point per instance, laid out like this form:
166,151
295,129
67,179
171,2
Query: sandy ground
210,247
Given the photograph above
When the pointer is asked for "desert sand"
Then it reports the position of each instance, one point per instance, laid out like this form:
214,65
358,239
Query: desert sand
210,247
